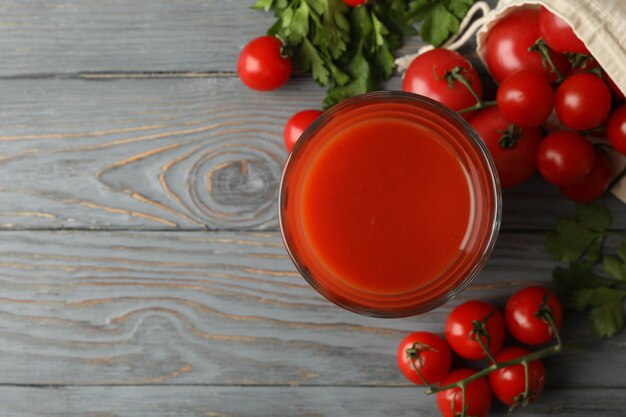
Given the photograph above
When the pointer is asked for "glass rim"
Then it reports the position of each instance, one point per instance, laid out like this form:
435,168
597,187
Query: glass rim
468,132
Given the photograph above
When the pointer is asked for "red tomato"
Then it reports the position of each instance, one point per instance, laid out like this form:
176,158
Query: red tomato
525,98
509,383
515,154
565,157
508,44
426,76
261,65
433,357
477,395
583,101
297,124
559,36
616,129
460,329
521,319
594,184
354,3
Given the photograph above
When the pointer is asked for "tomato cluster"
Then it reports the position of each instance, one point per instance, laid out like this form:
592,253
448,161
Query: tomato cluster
552,95
476,331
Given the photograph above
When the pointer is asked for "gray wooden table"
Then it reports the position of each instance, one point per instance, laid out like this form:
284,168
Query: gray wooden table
141,270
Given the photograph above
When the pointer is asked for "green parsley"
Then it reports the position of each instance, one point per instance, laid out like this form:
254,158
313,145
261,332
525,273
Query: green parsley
594,281
349,50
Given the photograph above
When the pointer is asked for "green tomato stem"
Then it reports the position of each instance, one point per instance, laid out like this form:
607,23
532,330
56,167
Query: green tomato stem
542,48
414,352
478,106
456,74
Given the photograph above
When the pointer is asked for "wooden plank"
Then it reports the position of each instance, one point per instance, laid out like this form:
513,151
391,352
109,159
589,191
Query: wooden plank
226,308
197,401
167,154
65,37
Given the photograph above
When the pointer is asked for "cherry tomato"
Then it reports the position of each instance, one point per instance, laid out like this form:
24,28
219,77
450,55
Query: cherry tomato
433,357
521,315
508,44
427,76
261,65
525,98
583,101
354,3
460,332
594,184
616,129
297,124
477,395
558,34
513,149
565,157
509,383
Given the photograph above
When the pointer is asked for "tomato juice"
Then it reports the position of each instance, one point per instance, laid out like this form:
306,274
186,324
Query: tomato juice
389,204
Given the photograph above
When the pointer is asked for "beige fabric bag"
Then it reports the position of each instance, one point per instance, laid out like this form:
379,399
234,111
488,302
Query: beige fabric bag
600,24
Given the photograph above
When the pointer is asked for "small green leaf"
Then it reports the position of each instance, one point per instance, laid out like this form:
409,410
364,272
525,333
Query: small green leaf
379,31
275,28
579,300
420,9
299,25
459,7
594,217
264,5
607,319
439,25
568,280
309,59
570,241
603,295
614,267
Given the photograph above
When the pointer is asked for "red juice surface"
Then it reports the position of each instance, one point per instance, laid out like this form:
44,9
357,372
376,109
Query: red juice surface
388,207
380,199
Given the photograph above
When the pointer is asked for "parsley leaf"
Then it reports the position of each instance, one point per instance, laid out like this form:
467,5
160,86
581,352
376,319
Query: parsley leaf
568,280
439,25
616,265
350,50
440,18
607,319
580,240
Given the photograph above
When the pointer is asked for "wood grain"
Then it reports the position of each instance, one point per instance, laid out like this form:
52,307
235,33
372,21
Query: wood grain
63,36
167,154
226,308
197,401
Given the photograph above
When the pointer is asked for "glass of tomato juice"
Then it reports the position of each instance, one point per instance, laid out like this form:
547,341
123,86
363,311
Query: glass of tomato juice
389,204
